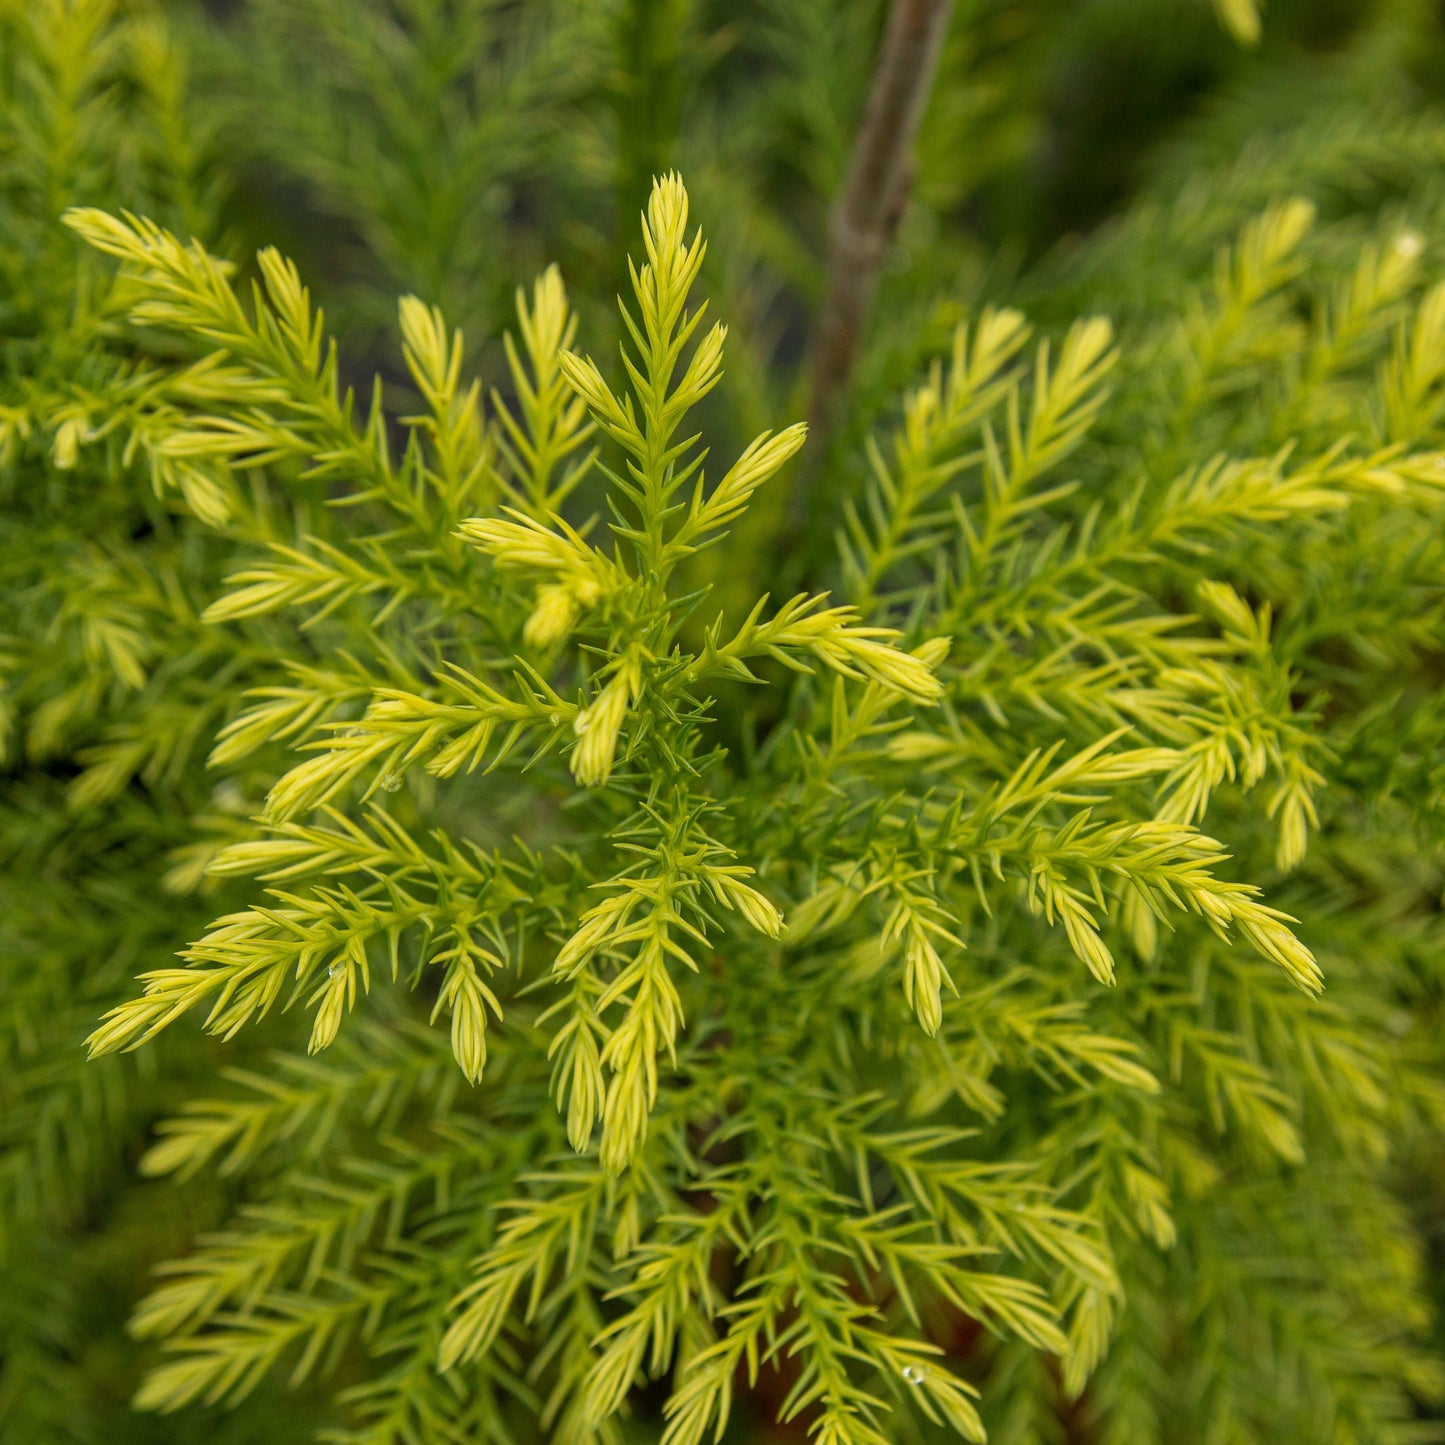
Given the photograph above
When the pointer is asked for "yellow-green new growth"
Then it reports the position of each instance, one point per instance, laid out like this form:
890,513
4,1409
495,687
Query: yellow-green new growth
582,578
1241,18
318,946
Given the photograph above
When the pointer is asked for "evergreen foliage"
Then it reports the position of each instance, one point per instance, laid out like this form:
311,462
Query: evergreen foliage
973,975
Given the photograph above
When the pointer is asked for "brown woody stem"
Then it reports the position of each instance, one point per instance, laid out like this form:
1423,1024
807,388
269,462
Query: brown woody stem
874,196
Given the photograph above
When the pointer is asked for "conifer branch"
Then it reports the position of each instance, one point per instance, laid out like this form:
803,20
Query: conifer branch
803,973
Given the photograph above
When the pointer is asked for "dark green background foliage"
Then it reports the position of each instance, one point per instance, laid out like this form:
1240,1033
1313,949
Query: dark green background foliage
658,974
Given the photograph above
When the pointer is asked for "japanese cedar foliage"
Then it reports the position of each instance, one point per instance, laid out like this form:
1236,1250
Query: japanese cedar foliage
647,1007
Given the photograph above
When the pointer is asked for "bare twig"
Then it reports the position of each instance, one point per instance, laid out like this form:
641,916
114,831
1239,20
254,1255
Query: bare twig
875,194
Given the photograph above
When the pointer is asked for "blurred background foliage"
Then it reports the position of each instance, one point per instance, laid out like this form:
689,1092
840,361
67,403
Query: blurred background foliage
1077,156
